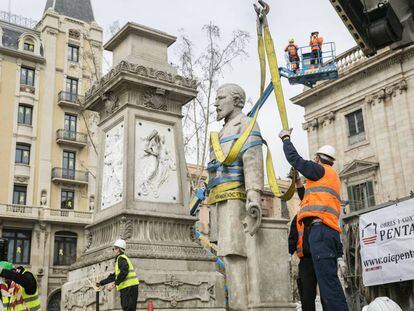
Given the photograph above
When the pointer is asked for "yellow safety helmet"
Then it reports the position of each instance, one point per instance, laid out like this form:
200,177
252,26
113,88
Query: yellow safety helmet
291,40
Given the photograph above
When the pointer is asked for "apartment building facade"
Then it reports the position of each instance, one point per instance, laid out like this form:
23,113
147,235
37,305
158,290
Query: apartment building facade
47,151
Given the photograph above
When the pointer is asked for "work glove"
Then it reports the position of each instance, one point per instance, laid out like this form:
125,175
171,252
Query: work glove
285,134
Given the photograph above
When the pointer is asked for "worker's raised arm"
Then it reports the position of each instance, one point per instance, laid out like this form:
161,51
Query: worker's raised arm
311,170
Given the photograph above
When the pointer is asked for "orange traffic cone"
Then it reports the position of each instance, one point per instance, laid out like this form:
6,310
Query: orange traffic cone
150,305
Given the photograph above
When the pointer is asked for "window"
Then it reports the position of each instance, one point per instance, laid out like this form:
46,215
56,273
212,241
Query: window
356,128
25,115
70,126
27,76
72,86
68,165
361,196
67,199
19,195
73,53
27,46
22,154
65,248
18,242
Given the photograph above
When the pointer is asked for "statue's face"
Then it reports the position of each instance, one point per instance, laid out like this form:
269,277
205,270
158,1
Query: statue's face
224,104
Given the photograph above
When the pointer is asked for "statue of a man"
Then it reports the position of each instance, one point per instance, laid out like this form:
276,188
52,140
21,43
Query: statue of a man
230,216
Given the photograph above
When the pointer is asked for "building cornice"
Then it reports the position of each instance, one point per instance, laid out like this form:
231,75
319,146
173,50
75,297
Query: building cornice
23,55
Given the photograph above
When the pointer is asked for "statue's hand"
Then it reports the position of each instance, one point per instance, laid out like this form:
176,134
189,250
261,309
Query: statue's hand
253,218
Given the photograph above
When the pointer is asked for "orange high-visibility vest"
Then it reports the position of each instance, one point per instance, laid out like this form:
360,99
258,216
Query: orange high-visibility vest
300,226
292,49
322,199
316,43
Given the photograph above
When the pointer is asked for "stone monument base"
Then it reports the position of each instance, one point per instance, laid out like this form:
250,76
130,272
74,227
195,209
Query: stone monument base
174,271
268,266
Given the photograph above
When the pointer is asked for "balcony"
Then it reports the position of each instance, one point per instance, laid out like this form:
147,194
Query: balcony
69,177
15,211
66,99
71,138
67,216
27,89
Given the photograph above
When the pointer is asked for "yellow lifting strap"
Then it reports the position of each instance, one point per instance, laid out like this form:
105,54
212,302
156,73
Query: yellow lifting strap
265,46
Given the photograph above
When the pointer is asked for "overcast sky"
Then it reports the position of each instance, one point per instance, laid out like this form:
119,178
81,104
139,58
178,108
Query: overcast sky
287,18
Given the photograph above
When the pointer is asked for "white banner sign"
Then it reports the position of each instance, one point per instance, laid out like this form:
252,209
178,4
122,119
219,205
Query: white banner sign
387,244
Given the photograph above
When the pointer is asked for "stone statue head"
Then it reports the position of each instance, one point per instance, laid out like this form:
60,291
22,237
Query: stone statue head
230,99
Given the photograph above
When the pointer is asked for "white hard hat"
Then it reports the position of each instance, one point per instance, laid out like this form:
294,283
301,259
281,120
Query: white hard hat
382,304
327,150
120,244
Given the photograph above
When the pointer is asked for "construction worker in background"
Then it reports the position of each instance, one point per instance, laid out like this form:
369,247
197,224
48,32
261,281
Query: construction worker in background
319,213
292,50
29,288
4,286
316,48
299,243
124,278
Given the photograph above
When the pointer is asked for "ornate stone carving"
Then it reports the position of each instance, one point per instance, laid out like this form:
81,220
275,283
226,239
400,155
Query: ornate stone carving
154,163
140,70
175,291
83,298
21,179
389,91
112,176
91,203
88,238
111,103
155,99
43,198
126,228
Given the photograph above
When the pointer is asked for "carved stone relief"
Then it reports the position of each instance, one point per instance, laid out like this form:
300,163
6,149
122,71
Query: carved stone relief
83,298
155,99
175,291
386,92
112,175
155,164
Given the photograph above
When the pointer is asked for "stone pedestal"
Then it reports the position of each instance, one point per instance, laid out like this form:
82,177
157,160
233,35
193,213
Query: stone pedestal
142,185
268,266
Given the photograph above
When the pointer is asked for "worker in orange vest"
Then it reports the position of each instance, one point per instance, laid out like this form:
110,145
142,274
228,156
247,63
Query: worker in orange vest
319,211
298,242
316,48
292,50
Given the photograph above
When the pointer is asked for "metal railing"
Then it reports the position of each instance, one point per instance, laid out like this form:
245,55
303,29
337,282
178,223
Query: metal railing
17,20
64,173
72,136
69,97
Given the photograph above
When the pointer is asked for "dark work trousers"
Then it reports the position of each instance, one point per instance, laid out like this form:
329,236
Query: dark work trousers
129,297
325,246
307,284
316,57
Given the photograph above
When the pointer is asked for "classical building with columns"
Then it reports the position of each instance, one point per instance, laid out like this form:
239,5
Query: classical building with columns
367,115
48,158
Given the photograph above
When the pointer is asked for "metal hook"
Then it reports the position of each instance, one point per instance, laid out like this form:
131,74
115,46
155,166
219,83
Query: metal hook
264,10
